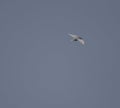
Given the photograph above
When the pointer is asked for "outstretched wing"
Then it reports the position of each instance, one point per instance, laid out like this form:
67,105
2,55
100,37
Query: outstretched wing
73,36
81,41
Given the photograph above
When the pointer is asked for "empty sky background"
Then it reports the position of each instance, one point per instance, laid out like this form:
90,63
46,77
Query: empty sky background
41,68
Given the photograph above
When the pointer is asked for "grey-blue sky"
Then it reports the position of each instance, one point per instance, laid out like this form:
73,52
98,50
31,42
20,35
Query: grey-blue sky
40,67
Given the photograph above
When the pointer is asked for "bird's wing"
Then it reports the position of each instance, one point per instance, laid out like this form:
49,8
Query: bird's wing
81,41
73,36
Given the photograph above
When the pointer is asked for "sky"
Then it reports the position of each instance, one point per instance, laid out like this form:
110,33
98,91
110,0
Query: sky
41,68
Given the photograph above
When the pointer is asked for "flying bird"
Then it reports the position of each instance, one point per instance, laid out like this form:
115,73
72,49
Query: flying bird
77,38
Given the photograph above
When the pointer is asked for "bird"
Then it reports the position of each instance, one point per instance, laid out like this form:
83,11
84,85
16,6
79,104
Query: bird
77,38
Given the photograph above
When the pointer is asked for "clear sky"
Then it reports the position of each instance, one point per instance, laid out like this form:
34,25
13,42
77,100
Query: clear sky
41,68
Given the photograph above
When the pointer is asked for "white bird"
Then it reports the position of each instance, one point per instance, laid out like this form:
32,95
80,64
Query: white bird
77,38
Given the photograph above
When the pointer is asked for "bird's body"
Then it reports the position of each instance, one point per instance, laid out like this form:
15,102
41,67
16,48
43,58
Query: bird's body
77,38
